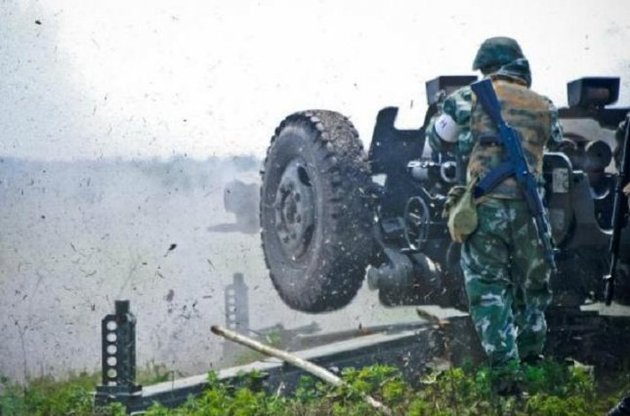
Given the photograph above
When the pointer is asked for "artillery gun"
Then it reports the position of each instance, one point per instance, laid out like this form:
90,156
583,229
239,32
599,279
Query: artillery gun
331,214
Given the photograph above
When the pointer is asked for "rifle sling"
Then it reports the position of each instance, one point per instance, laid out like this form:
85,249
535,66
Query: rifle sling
493,179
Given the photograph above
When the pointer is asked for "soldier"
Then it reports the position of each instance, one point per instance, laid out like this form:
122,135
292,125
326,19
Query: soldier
506,276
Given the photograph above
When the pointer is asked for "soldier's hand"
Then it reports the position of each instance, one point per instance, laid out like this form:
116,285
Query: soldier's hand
454,195
440,96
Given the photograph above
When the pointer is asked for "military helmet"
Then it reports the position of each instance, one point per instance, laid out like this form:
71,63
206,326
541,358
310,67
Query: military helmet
496,52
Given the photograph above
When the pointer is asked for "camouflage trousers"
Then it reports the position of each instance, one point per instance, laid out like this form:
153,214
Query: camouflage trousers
507,282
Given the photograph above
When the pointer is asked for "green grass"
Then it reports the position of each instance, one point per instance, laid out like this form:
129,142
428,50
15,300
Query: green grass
553,389
48,397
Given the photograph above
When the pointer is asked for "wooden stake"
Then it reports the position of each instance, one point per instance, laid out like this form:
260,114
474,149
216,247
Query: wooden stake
305,365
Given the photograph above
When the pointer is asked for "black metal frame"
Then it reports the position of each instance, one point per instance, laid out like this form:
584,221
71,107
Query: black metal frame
118,357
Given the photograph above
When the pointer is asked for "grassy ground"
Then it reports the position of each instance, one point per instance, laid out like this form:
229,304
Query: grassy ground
553,389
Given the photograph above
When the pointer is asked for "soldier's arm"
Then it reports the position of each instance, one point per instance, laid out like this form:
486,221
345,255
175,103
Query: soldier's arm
449,126
556,128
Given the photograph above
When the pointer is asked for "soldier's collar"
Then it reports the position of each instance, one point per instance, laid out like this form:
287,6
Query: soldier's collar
509,78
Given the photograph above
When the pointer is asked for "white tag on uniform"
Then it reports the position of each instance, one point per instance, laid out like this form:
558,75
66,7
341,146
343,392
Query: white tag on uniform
446,128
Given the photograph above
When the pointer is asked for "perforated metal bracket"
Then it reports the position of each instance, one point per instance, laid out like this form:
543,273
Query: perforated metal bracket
118,354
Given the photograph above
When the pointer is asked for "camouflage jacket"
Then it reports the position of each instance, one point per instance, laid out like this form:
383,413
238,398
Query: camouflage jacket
534,116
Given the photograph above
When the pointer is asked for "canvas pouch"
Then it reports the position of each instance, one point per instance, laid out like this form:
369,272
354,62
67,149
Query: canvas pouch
461,210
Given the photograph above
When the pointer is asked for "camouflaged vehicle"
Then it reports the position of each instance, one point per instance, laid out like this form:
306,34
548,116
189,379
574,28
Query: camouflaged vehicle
332,215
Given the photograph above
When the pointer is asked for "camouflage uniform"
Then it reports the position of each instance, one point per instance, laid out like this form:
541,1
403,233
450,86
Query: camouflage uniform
506,276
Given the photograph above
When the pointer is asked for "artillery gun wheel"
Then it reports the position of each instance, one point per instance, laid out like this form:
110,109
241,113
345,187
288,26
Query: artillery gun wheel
315,212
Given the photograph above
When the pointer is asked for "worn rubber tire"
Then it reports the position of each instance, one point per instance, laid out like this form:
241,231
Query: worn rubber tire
316,169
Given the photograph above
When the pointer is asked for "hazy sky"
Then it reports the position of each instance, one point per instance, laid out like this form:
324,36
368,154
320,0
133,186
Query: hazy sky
138,79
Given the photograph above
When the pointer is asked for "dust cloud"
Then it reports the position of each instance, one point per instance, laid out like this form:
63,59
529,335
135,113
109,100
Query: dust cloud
78,235
81,228
84,84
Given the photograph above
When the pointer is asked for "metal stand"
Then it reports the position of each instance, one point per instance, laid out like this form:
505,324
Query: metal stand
118,357
236,315
237,305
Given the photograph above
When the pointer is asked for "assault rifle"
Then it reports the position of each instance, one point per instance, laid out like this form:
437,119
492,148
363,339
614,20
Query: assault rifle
515,165
620,209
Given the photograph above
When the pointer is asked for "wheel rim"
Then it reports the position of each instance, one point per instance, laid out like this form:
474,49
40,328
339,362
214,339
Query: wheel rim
294,210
